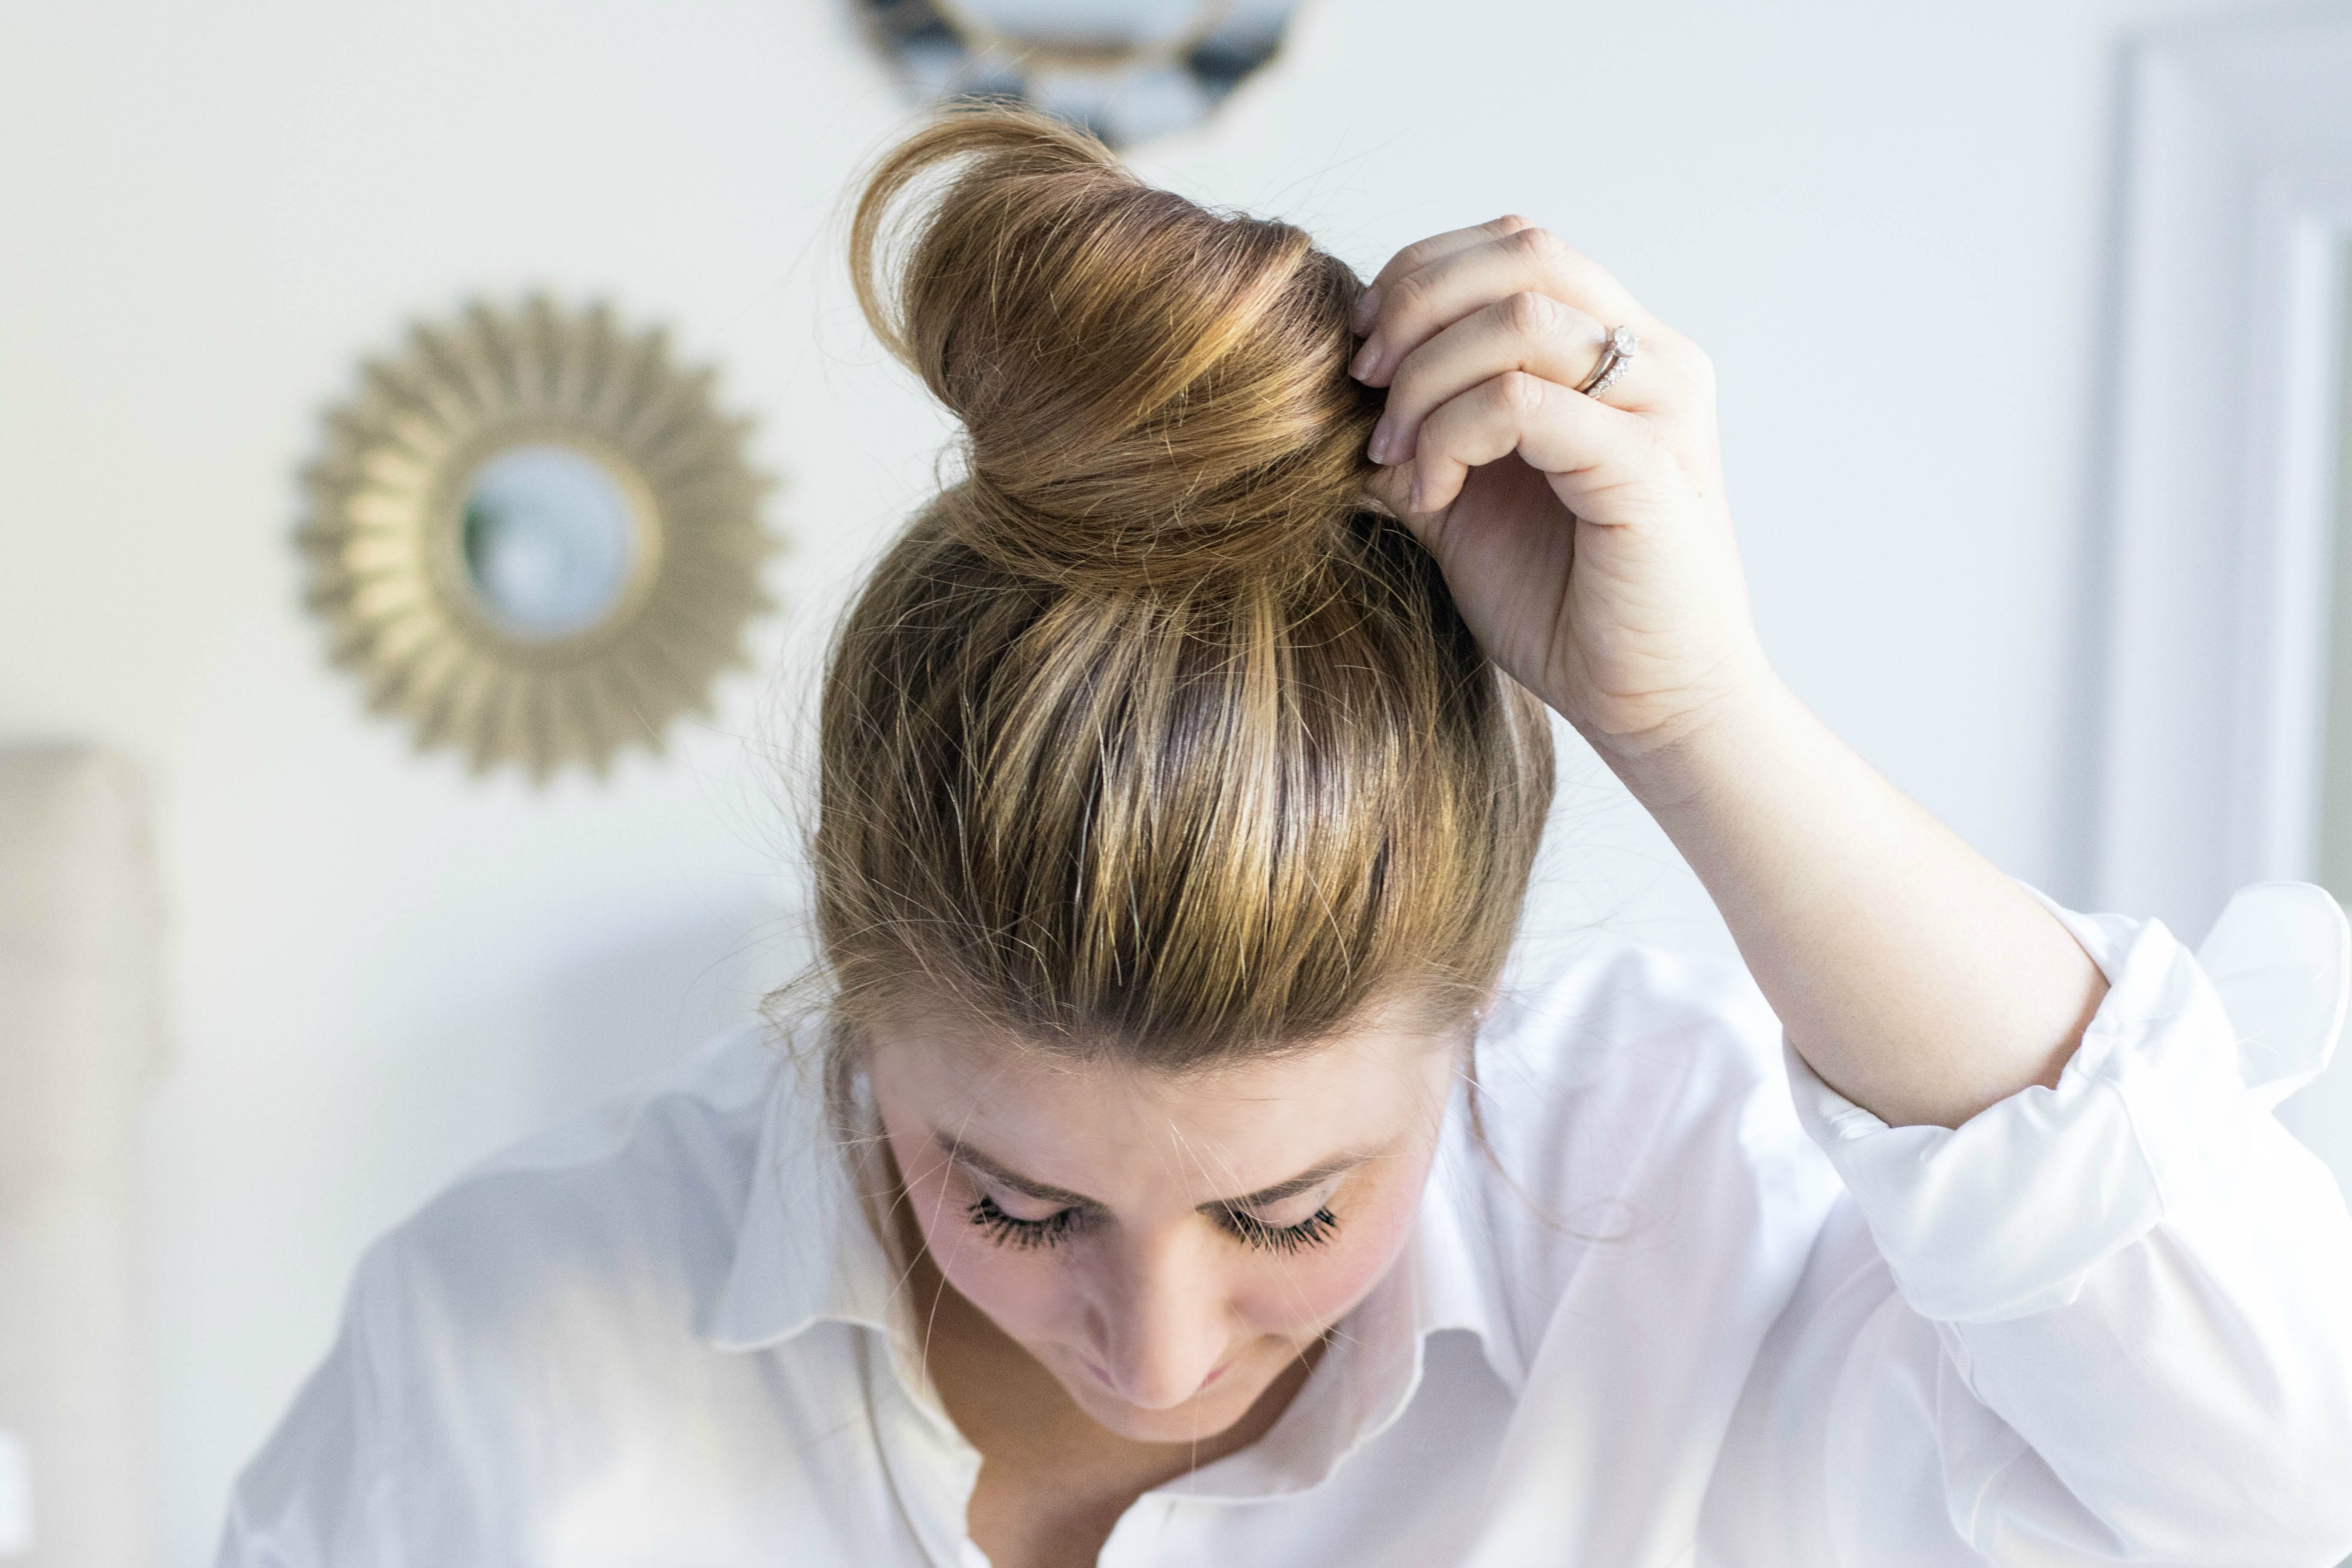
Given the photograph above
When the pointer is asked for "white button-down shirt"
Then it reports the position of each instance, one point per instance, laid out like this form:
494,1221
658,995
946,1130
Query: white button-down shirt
1685,1305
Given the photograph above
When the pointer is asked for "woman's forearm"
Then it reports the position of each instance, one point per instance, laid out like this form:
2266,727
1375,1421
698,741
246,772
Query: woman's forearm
1915,978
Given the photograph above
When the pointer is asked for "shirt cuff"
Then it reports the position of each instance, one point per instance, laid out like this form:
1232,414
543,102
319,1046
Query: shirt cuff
2008,1213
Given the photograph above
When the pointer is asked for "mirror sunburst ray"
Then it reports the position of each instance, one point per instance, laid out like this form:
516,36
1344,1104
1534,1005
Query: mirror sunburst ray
534,535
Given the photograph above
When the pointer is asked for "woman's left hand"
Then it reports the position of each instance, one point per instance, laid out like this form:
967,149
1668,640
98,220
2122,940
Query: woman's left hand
1586,541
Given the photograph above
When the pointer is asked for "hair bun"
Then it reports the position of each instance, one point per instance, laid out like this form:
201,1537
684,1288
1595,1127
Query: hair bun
1154,396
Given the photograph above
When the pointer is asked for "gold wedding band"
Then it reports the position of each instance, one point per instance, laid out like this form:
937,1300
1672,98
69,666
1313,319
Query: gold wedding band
1615,356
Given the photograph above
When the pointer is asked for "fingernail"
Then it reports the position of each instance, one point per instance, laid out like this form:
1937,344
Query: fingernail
1379,448
1419,499
1367,307
1366,358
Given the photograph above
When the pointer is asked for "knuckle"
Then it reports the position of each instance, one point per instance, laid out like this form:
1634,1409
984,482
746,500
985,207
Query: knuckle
1509,223
1685,359
1541,244
1529,313
1518,391
1408,290
1405,262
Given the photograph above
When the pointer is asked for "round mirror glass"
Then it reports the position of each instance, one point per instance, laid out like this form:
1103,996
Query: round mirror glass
1126,69
1099,24
549,539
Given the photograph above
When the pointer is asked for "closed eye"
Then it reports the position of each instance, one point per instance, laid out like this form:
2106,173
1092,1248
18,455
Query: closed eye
1245,1227
1007,1231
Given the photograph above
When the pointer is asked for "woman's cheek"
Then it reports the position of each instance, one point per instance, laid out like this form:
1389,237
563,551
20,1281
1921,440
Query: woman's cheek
1308,1290
1018,1288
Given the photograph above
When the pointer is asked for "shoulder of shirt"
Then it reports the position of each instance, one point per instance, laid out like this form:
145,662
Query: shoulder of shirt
716,1092
1591,1035
1631,1097
647,1185
1583,1003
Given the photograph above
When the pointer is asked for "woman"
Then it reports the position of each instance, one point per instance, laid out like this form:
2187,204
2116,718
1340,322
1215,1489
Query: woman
1183,1181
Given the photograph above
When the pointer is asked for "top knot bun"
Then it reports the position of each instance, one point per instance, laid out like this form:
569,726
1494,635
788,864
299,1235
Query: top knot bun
1155,396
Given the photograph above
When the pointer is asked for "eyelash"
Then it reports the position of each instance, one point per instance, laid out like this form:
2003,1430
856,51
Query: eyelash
1007,1231
1313,1231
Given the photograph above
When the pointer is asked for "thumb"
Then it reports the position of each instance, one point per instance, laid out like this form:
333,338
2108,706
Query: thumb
1391,487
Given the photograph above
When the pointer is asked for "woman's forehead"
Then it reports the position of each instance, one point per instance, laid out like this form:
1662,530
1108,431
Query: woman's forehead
1080,1123
957,1060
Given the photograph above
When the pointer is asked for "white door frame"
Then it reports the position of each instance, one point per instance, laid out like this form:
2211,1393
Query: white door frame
2237,206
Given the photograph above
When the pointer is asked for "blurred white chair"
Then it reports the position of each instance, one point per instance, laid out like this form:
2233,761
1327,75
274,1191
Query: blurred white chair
78,937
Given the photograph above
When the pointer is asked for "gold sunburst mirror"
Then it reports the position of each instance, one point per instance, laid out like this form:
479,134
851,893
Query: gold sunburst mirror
535,536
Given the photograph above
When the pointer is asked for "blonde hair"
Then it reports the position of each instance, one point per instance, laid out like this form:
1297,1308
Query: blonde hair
1152,734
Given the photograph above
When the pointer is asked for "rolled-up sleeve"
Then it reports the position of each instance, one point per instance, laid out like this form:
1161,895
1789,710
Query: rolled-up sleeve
2120,1325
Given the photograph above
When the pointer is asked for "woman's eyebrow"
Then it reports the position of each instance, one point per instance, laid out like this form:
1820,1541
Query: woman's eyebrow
1003,1175
963,1154
1314,1177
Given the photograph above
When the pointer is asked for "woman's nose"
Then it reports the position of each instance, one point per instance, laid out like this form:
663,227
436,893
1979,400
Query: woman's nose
1167,1328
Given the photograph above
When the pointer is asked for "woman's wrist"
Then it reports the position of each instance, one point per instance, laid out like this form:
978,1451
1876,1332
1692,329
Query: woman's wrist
1734,723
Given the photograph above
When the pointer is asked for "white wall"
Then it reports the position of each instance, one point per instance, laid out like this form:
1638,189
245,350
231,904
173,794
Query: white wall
1886,222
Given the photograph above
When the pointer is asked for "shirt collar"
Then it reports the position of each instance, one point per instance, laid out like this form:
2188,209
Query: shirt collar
806,1254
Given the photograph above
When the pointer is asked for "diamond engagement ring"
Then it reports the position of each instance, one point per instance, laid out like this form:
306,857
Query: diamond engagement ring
1615,355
